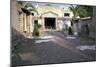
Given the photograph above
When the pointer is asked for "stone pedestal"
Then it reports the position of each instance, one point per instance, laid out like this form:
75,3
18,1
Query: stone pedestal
75,29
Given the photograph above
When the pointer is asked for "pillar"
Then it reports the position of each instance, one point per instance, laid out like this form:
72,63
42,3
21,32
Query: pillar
57,24
25,23
43,24
75,29
21,22
30,25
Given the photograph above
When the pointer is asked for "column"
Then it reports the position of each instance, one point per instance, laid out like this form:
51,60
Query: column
30,25
75,28
43,24
57,24
25,23
21,22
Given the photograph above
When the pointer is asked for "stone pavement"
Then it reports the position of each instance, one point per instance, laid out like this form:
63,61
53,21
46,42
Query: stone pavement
57,48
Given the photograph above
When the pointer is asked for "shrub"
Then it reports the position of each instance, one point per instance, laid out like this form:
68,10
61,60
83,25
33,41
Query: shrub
70,31
36,31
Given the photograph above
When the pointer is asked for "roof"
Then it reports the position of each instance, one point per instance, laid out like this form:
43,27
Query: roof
49,12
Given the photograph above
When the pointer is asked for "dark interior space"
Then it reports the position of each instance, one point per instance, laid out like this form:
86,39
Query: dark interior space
50,23
66,14
35,21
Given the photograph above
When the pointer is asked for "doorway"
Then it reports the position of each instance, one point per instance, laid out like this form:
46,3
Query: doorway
50,23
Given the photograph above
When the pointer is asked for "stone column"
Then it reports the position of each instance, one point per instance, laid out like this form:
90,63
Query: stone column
21,22
30,25
43,24
75,29
25,23
57,24
33,23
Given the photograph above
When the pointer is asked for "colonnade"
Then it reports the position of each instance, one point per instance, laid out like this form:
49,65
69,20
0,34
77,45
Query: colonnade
26,23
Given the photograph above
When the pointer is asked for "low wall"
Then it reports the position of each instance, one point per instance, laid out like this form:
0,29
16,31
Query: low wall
87,28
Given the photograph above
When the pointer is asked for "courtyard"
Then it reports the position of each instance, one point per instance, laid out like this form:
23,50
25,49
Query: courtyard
54,47
50,33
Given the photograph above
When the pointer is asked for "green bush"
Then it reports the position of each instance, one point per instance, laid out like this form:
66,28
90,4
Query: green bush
36,31
70,31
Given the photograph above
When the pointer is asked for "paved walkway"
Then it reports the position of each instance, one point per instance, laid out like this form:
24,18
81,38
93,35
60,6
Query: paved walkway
56,48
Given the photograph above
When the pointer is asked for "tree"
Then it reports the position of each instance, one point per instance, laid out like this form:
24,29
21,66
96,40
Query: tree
75,10
85,11
82,11
30,7
21,4
27,5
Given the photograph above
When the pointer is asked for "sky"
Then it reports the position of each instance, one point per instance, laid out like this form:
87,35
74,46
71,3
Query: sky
61,5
